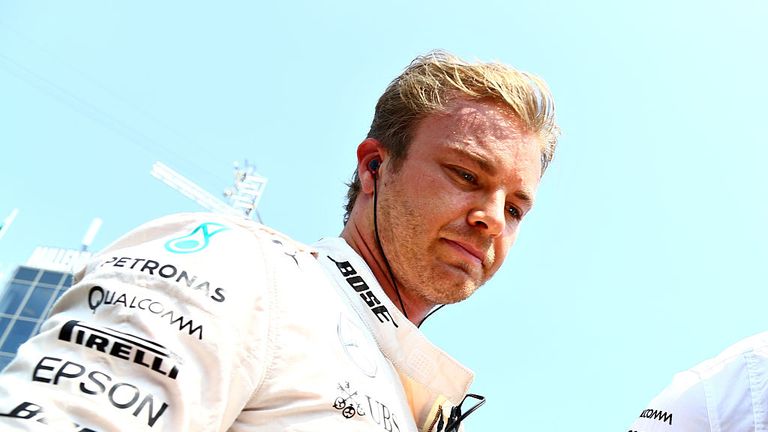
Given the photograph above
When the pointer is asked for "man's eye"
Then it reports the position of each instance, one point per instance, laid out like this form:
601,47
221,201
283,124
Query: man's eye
468,177
514,212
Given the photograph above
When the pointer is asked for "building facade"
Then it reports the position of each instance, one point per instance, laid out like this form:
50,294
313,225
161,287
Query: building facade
27,298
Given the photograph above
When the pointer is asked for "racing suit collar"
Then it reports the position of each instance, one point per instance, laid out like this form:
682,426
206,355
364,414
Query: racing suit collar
430,377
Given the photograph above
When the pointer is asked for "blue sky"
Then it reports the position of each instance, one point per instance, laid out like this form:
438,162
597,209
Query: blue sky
644,255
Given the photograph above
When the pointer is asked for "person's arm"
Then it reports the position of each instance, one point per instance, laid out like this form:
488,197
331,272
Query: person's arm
680,407
723,394
167,329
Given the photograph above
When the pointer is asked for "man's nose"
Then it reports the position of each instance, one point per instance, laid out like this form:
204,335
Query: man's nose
490,214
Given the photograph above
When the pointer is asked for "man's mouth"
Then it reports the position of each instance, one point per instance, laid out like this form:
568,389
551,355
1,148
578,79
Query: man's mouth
467,250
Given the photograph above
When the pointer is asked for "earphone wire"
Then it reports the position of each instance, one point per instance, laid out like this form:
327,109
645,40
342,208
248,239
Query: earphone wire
381,248
456,416
430,314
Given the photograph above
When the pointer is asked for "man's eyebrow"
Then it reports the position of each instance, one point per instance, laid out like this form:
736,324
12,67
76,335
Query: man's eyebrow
525,197
478,159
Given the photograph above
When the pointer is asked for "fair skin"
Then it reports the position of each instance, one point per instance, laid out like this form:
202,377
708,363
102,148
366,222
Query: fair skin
450,213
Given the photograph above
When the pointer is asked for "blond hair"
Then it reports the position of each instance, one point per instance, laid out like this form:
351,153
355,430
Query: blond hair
432,81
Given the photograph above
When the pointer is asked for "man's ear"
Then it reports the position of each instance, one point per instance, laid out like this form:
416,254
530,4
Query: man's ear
370,156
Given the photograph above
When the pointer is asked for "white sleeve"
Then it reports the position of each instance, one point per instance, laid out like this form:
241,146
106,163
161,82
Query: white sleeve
167,329
726,393
680,407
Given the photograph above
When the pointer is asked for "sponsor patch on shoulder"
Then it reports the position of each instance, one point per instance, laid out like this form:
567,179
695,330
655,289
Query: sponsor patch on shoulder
196,240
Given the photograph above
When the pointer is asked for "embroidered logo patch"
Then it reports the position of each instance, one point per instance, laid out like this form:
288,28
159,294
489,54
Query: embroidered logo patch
195,241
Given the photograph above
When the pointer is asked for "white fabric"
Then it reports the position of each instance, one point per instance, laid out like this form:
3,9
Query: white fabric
200,322
728,393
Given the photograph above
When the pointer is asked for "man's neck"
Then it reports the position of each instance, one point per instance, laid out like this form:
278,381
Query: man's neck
364,243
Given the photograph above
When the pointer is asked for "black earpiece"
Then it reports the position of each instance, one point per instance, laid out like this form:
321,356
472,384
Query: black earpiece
373,165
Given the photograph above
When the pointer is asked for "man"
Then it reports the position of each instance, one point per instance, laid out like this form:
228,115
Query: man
728,393
200,322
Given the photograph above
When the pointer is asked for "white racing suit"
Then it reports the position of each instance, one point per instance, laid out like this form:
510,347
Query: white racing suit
200,322
728,393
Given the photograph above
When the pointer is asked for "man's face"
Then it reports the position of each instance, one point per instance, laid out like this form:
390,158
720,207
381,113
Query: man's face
451,212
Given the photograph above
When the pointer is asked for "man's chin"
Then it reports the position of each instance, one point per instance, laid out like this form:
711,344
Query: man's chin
452,284
458,293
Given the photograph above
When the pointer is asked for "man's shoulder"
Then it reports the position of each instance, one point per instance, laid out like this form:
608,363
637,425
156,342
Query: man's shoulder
736,381
222,255
728,389
207,242
189,233
753,349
